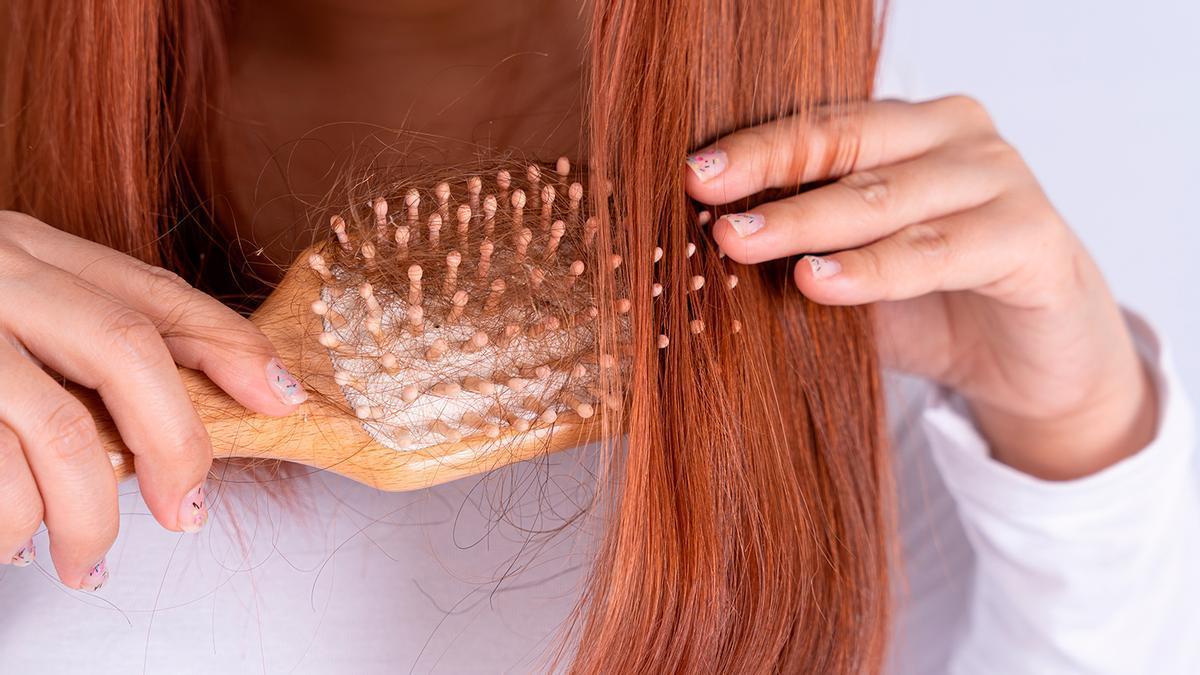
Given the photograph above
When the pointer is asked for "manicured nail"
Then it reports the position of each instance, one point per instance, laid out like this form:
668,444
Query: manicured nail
708,164
193,512
96,577
25,555
745,224
287,387
823,268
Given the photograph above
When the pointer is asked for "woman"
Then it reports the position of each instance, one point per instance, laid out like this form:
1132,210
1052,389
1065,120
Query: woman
1058,433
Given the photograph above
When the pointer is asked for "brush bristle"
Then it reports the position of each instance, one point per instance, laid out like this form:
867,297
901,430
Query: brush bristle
464,314
469,311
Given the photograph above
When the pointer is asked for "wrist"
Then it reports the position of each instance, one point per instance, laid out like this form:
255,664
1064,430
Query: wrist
1115,422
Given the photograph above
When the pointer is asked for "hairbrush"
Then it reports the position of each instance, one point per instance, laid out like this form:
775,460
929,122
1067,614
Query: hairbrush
443,327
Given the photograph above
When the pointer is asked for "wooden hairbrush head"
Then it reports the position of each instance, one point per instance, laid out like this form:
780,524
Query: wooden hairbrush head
440,332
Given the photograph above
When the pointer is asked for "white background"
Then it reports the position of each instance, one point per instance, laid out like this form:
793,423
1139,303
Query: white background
1101,98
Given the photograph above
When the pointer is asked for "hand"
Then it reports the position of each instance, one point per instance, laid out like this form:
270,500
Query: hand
981,285
111,323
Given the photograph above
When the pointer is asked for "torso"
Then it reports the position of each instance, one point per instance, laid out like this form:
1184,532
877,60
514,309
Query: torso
312,90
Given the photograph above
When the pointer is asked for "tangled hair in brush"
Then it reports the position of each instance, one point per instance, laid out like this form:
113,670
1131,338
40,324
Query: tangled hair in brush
749,511
463,302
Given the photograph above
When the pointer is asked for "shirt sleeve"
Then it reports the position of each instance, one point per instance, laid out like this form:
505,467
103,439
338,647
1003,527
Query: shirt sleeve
1095,575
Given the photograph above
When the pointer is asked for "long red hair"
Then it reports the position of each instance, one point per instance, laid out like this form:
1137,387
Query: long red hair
748,525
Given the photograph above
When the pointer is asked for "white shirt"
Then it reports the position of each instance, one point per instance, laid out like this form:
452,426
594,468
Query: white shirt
1002,573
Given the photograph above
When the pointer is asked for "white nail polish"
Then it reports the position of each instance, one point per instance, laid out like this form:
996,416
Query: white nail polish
288,388
96,577
193,512
708,164
823,268
745,224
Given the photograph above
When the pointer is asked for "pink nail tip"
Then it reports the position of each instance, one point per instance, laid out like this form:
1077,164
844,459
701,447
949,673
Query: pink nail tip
193,513
823,268
96,577
708,164
288,388
25,555
745,224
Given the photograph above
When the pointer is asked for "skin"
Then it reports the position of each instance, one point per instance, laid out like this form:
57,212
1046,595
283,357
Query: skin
116,325
982,286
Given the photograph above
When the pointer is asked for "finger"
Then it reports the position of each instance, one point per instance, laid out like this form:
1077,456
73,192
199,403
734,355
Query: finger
862,207
73,474
204,334
20,502
794,151
88,337
969,250
200,332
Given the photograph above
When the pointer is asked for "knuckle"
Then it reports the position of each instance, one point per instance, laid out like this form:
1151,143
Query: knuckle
969,114
872,188
999,152
872,263
173,294
927,241
133,338
969,109
71,433
163,281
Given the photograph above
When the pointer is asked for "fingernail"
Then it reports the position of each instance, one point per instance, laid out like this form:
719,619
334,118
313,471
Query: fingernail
96,577
823,268
708,164
287,387
193,512
25,555
745,224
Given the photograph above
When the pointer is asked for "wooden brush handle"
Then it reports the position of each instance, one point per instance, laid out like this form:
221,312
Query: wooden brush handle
320,435
234,431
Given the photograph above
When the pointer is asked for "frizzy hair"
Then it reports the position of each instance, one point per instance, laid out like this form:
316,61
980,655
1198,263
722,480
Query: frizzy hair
749,524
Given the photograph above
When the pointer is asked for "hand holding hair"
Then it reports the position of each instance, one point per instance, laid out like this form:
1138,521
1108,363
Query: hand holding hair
981,285
111,323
